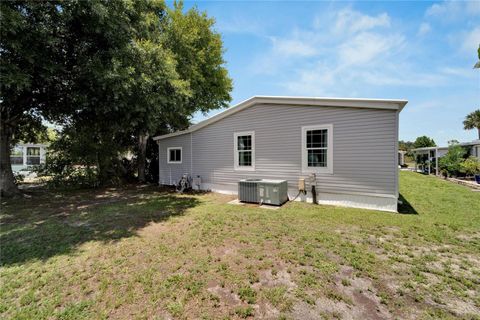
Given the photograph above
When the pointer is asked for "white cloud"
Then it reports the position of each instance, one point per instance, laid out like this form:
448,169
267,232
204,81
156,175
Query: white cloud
473,7
458,72
406,77
424,29
317,80
471,41
439,9
322,79
465,12
451,10
357,42
348,20
293,47
366,47
366,57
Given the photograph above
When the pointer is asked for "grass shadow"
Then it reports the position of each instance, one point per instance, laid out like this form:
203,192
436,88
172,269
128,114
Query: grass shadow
405,207
51,224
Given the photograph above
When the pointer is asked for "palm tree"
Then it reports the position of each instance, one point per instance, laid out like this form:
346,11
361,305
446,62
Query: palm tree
472,121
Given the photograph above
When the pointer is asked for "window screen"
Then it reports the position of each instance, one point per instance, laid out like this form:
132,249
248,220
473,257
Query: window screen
317,146
244,149
33,156
175,155
16,156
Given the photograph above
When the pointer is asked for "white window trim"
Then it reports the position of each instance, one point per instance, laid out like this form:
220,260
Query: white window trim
235,150
168,155
320,170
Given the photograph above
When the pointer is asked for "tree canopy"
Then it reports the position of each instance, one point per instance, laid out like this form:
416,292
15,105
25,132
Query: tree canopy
424,141
451,163
111,73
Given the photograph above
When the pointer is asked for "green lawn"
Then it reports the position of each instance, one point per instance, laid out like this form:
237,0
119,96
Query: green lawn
146,253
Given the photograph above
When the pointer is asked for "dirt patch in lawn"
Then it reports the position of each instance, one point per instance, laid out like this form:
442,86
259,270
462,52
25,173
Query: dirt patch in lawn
226,296
269,280
353,297
422,277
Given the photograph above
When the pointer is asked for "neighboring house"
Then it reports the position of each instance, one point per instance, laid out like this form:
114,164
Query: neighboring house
351,145
426,158
24,156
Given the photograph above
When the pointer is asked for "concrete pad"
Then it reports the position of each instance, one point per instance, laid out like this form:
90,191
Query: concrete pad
268,206
236,202
253,205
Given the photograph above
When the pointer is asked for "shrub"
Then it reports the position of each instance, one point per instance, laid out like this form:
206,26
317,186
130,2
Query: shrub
421,158
451,163
470,166
75,176
68,170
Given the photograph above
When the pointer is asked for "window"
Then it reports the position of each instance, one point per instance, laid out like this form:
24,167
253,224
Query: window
16,157
317,149
33,156
244,150
174,155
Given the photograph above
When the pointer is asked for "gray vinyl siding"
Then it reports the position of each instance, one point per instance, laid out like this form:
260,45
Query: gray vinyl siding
172,172
364,148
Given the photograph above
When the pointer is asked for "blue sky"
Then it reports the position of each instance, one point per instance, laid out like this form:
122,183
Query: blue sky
420,51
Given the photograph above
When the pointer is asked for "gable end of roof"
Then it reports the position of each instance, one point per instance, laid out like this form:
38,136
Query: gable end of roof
388,104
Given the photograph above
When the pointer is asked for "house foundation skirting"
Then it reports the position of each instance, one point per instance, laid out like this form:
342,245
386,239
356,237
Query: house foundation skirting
355,201
362,201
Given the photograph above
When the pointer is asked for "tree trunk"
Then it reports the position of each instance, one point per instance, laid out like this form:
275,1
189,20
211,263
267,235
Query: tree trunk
142,155
478,132
8,188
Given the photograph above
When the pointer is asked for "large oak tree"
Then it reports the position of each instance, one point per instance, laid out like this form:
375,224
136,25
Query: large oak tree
33,82
110,72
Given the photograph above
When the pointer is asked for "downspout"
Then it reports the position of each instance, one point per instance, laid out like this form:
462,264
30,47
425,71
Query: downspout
191,155
159,161
314,194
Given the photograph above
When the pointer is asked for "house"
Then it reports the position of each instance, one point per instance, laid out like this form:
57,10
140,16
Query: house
346,148
25,156
426,158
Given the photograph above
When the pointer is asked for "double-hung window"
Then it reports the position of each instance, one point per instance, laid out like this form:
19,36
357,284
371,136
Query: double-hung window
244,156
317,149
33,155
16,156
174,155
